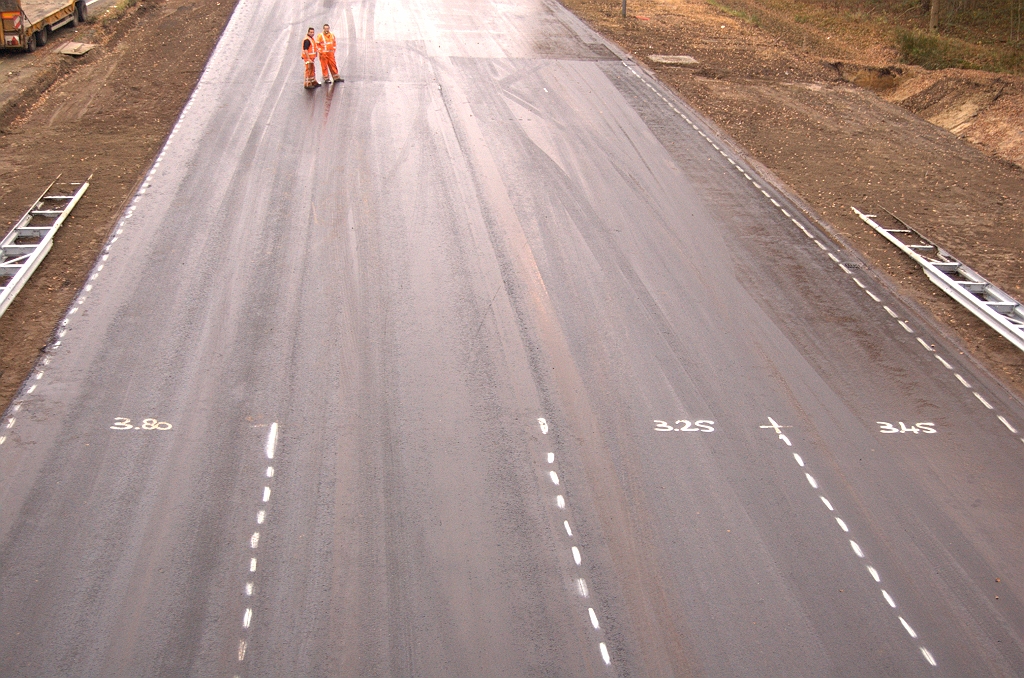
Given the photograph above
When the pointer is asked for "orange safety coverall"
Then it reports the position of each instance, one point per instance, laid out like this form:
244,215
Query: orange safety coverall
309,58
325,45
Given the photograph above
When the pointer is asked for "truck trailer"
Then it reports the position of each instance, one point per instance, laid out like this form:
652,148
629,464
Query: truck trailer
27,24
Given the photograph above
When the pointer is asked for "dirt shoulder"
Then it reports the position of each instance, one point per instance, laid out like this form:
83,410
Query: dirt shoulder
836,144
104,114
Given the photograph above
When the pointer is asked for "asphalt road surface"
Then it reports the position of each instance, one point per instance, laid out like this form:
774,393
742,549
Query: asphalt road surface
492,361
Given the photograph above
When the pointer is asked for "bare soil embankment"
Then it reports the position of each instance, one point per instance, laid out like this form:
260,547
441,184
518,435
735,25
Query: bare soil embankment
837,145
105,114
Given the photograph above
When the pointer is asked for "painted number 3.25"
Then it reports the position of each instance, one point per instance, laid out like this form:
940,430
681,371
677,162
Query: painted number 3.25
920,427
125,424
685,425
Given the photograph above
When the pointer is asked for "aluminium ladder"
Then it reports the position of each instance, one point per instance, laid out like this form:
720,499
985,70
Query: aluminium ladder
32,237
996,308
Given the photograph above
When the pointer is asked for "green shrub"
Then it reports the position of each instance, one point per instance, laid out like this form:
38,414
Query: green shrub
940,51
932,51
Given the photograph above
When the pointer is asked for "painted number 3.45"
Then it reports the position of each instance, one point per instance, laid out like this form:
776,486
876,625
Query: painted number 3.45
125,424
685,425
919,427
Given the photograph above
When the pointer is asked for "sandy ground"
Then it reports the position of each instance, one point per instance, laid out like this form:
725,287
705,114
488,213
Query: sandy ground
837,145
105,114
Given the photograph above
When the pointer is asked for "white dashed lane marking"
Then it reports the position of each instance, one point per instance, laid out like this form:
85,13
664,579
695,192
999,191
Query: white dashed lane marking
855,547
577,556
269,451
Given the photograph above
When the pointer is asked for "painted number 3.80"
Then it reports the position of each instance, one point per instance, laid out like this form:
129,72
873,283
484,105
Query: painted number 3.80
919,427
699,426
125,424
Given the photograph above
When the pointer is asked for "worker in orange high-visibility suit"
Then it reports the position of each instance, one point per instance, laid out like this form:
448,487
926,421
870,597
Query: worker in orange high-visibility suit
325,46
309,58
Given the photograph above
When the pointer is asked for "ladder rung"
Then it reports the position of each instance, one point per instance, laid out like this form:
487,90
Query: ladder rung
47,213
971,286
922,247
898,230
946,266
1003,307
58,197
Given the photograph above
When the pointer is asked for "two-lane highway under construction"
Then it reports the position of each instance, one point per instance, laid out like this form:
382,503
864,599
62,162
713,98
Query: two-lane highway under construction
495,360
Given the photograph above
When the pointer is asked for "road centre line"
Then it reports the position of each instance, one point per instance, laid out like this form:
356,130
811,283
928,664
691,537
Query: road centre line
269,451
577,556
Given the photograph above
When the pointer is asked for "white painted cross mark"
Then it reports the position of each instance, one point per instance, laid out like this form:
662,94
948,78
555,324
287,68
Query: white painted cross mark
777,427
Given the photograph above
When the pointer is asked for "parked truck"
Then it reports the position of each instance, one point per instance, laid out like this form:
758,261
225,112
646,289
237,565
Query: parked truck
27,24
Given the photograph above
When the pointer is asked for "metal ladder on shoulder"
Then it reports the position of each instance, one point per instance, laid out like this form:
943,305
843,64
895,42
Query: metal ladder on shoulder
32,237
995,307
